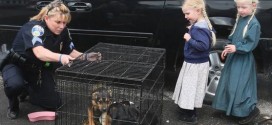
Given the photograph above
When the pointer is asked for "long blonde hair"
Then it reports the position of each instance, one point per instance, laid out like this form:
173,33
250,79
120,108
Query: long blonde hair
238,16
200,4
53,8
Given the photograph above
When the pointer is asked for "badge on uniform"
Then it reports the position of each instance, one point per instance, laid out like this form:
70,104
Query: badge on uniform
37,31
72,46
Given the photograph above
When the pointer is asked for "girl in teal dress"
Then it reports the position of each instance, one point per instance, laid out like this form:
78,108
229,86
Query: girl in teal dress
236,93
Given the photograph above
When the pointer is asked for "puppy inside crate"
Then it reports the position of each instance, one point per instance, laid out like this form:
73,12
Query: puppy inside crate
101,99
102,111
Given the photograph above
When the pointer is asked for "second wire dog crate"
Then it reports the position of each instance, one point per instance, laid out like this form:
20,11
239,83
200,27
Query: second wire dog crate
130,73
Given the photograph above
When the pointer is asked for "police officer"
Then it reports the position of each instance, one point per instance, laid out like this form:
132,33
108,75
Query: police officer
41,45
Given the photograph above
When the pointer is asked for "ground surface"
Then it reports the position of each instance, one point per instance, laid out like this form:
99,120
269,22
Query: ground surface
170,115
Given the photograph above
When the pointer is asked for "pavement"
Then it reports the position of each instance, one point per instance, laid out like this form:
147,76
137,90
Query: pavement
170,112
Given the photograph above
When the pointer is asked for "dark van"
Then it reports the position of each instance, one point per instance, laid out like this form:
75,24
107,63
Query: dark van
152,23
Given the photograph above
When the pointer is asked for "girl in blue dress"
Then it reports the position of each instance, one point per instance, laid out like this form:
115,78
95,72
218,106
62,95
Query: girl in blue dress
193,77
236,93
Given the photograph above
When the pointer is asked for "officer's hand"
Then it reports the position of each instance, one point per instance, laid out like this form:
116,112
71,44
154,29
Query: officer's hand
65,59
93,56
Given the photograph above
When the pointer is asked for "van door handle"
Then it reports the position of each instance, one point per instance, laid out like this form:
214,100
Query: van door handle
41,4
79,6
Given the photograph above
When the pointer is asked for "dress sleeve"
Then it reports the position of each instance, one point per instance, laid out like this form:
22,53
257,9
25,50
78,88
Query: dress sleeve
200,39
250,41
230,38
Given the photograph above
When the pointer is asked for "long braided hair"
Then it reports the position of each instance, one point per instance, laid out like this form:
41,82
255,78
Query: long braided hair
238,16
200,4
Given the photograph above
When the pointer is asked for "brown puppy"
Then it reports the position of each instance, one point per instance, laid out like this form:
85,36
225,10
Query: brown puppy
97,110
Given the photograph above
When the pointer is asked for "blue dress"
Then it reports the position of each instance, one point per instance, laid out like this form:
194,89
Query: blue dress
236,93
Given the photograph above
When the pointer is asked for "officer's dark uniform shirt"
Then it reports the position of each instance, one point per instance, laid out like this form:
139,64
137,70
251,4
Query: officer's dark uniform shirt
36,33
40,77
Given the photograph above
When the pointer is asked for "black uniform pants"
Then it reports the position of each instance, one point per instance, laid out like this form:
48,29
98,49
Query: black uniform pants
42,94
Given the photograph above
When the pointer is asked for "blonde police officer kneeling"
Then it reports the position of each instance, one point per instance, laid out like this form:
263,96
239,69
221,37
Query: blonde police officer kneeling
44,43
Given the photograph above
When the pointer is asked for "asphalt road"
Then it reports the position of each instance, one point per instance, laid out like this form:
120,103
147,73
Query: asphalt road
170,113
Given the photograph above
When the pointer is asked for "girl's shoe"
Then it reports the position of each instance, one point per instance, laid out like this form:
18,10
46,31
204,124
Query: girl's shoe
255,113
189,119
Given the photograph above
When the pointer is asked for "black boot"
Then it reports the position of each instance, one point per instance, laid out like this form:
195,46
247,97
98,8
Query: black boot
13,109
23,96
253,114
12,114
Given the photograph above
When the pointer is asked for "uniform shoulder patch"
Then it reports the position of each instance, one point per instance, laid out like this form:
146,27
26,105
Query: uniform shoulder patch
37,30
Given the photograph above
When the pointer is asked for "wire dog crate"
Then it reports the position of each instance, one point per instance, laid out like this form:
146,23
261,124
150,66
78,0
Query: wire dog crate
129,73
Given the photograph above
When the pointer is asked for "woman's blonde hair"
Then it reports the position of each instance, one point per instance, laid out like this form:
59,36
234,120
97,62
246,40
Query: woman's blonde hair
238,16
200,4
54,8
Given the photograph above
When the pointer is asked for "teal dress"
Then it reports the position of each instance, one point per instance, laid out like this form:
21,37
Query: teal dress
236,93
